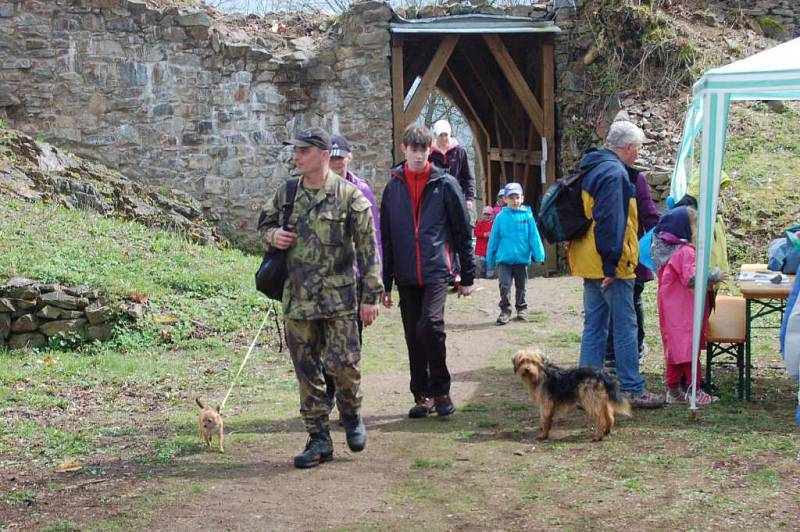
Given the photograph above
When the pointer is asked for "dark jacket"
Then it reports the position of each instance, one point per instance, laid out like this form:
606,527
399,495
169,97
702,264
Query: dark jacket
454,162
610,247
648,217
417,253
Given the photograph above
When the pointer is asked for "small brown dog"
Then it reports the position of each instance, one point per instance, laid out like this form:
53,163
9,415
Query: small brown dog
554,389
210,423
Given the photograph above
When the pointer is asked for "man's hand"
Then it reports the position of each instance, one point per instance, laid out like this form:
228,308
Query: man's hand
283,239
387,299
369,313
464,291
469,204
606,282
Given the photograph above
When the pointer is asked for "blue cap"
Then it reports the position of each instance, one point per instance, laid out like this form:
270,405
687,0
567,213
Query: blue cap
513,188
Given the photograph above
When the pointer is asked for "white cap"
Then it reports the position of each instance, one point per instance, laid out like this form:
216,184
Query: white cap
441,126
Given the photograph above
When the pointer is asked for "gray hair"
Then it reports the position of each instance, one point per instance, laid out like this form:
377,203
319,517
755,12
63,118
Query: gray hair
621,133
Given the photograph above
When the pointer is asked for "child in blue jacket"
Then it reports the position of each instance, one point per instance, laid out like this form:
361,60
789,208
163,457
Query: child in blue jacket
514,241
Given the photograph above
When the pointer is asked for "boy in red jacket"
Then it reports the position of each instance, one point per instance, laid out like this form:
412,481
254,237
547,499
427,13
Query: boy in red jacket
482,231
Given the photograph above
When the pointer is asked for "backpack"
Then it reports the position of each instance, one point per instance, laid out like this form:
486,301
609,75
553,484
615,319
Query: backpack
561,216
272,273
784,253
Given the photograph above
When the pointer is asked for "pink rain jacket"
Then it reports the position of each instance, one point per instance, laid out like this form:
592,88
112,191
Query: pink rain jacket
676,306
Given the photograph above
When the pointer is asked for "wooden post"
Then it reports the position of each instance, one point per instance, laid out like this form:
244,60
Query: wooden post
500,147
549,132
398,97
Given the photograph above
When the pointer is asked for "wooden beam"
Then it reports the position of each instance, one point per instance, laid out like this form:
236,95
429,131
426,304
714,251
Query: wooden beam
500,148
529,145
549,124
513,155
463,94
430,77
515,78
492,90
398,113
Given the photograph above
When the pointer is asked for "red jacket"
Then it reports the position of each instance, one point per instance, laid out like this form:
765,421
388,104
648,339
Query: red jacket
481,228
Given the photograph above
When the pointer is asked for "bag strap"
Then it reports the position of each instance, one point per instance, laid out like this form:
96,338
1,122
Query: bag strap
288,207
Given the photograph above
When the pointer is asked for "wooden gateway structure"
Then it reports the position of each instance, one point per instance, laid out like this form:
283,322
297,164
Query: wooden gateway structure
499,71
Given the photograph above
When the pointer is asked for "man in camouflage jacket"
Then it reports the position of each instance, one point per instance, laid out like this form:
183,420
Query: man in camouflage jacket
330,230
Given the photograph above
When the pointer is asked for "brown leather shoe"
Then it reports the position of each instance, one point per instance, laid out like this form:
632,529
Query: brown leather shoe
423,407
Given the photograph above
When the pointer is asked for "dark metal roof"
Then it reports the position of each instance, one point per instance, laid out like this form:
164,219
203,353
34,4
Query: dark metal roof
477,23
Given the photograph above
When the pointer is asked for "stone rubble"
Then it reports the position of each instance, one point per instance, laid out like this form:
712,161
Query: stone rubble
31,313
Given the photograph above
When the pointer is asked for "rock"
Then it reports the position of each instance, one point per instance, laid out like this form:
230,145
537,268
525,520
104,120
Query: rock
198,18
100,332
97,313
53,328
134,310
82,291
71,314
24,304
6,305
45,288
19,281
26,340
50,312
5,326
64,300
22,292
25,323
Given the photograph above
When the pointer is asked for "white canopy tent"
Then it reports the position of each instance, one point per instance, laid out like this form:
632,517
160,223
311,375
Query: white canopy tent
770,75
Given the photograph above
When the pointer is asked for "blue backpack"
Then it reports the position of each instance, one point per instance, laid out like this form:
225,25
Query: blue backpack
784,252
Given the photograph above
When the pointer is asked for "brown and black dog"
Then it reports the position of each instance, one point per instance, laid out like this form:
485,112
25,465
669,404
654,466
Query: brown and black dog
554,389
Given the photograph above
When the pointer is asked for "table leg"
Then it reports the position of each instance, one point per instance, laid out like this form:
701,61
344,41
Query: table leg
748,342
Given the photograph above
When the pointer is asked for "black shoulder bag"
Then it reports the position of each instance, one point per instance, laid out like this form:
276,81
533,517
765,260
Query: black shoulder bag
271,275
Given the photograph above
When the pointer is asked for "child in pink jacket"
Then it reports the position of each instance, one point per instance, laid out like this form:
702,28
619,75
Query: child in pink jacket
673,254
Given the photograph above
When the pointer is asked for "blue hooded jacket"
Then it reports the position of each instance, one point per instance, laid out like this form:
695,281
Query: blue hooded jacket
514,239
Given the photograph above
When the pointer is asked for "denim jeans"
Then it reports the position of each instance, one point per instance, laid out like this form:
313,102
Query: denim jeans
480,267
598,304
518,273
638,305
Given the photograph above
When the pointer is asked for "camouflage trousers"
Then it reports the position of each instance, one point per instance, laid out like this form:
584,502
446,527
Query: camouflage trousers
332,345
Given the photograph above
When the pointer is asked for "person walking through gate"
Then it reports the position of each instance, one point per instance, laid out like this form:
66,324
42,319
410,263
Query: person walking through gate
421,209
331,230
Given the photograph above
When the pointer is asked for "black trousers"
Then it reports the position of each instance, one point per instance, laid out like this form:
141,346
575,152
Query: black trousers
422,310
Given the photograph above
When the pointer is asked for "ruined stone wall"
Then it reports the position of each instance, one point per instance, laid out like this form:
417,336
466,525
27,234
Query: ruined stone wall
167,97
784,12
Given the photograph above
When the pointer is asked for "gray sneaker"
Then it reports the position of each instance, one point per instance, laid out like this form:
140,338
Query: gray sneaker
522,315
504,317
645,399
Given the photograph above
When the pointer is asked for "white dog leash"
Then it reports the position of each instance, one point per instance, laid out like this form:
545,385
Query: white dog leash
244,361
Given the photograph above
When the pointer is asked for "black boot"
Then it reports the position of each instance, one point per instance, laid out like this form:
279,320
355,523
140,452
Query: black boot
356,432
319,448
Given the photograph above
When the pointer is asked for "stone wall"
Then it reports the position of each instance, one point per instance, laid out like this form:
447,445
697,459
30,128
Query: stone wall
31,314
784,12
172,98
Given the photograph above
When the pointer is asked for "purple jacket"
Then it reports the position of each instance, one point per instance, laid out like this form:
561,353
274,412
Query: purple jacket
454,162
364,188
648,218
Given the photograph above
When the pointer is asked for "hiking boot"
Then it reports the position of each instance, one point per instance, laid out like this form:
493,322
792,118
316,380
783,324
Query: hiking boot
319,448
423,407
504,317
522,315
356,432
645,399
443,405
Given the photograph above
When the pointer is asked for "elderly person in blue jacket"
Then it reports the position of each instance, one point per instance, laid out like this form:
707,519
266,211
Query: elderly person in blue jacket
513,243
606,257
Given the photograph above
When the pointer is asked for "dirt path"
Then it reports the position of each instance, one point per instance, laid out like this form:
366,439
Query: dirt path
264,491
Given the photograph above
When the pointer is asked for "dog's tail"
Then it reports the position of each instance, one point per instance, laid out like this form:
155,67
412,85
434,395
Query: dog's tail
197,400
618,401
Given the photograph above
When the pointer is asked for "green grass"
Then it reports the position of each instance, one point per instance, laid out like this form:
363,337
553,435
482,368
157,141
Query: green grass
431,463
